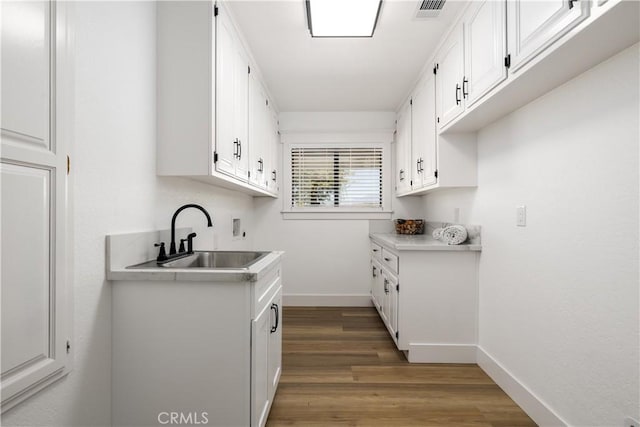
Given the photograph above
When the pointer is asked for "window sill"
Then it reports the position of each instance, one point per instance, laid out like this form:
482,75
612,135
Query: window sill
337,215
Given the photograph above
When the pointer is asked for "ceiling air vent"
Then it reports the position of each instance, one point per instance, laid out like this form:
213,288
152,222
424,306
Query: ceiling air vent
429,8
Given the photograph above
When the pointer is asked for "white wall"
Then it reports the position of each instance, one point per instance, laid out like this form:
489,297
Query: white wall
116,190
326,261
559,298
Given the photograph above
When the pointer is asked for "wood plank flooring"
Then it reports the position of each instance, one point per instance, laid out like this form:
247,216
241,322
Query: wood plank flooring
341,368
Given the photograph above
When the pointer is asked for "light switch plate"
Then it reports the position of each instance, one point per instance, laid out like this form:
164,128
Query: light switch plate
521,216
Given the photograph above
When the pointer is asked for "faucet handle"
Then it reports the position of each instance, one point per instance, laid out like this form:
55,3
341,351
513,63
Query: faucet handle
181,248
162,254
190,242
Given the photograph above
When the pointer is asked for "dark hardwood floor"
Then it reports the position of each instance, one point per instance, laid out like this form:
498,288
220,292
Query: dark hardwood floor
341,368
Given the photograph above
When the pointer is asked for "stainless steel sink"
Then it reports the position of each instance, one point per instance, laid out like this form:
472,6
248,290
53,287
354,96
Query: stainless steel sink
212,260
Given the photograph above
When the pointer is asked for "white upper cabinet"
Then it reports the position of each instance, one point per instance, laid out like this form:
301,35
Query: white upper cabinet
471,61
232,113
484,49
259,133
424,133
205,126
403,150
450,71
226,138
535,25
272,166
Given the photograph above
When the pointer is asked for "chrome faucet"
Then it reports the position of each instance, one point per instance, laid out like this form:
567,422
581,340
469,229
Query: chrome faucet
172,247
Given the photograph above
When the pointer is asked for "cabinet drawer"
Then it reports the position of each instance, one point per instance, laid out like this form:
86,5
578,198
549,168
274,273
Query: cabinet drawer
376,251
390,260
264,290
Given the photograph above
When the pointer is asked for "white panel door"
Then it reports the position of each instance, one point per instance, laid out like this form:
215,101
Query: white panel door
484,48
26,249
403,150
424,133
533,25
260,331
33,188
275,344
25,72
450,73
226,139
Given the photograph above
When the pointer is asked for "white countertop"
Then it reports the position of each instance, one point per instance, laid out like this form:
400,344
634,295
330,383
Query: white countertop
419,242
128,249
251,274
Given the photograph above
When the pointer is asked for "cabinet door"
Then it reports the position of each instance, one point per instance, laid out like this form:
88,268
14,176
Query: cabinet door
424,133
376,284
450,72
241,111
392,313
533,25
260,331
484,49
274,148
386,293
258,132
275,344
226,139
403,150
33,181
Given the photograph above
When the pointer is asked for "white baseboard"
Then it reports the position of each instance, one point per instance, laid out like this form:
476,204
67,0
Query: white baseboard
529,402
442,353
327,300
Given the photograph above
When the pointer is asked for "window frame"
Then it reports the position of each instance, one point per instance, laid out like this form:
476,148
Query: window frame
291,212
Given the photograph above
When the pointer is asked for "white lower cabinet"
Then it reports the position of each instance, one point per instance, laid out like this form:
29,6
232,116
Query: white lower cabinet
204,350
429,304
266,363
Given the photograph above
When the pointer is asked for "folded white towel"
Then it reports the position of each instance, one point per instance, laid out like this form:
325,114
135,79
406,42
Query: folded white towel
437,233
454,235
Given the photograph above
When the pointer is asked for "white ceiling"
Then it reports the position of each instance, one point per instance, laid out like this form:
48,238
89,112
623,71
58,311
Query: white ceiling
328,74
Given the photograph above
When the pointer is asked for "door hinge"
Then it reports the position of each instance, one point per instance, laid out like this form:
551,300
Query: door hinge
397,335
438,120
435,173
248,69
411,102
215,157
68,165
507,61
398,287
68,346
435,69
571,2
249,174
215,10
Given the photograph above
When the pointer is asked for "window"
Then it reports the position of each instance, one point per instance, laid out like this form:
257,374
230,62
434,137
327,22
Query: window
337,178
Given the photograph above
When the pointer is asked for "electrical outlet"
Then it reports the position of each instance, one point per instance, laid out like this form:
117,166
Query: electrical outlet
521,216
630,422
236,228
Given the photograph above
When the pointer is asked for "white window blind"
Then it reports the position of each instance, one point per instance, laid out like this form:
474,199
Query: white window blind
336,177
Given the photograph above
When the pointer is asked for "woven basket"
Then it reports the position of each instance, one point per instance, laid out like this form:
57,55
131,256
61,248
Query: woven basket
409,226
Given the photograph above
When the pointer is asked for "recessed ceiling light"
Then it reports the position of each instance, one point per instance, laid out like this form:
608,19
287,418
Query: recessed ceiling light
342,18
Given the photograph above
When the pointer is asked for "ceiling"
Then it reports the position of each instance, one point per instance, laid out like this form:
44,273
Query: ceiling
338,74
